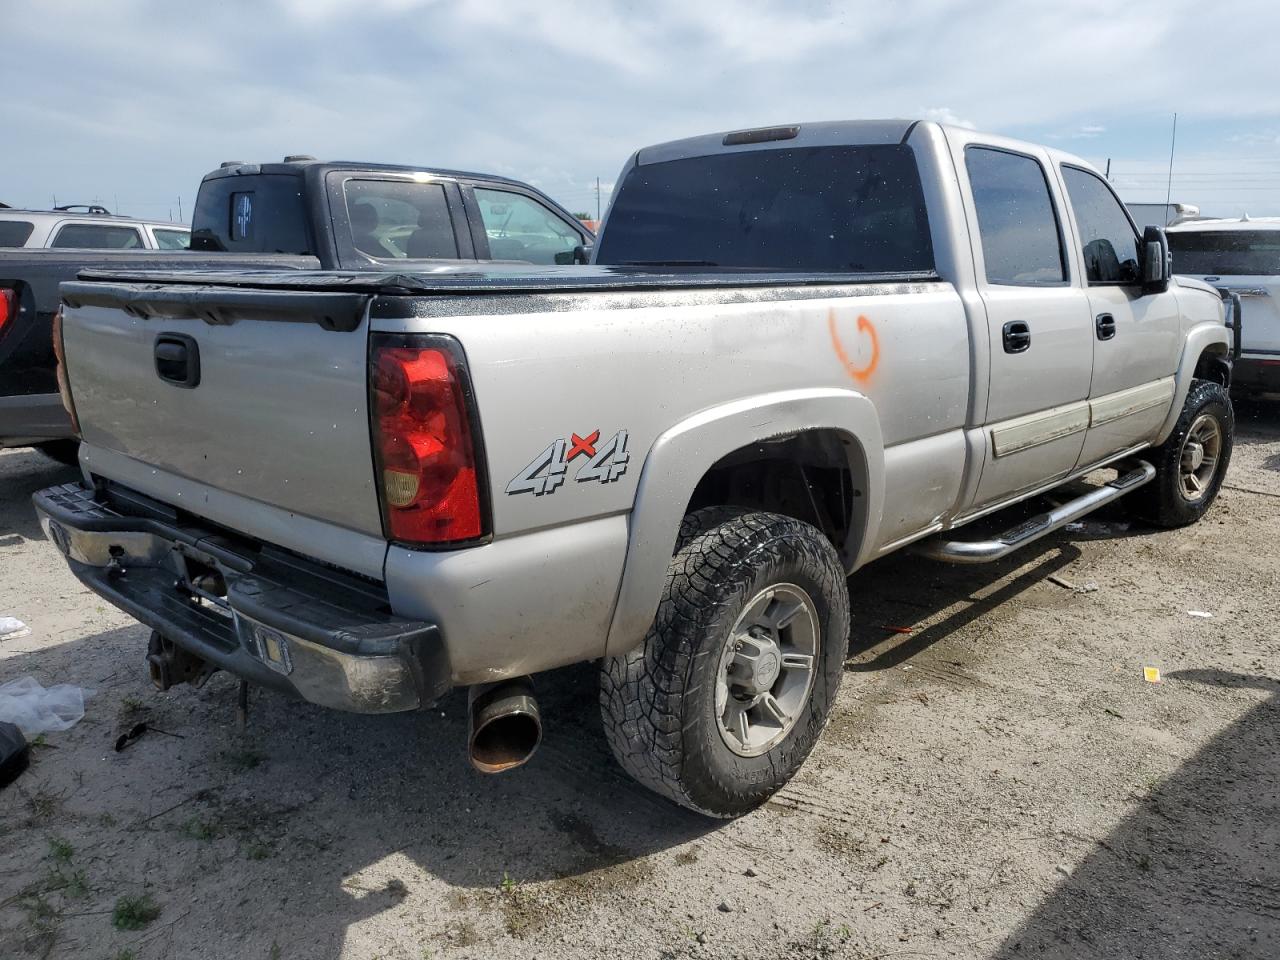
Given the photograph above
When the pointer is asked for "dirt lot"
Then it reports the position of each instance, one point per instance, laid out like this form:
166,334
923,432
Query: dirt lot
999,783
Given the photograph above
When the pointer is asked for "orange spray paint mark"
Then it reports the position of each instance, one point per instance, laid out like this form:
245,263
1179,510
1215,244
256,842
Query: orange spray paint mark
861,374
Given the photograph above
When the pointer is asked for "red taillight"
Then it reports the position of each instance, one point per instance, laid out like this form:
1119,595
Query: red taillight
8,307
424,443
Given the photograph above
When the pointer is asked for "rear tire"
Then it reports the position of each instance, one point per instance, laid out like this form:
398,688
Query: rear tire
753,623
1192,463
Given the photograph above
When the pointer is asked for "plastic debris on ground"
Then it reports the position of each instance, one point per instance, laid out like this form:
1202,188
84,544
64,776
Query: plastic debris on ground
15,754
1151,674
1199,613
11,628
1074,527
38,709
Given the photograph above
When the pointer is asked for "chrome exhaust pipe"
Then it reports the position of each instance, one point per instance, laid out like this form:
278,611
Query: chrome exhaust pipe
504,725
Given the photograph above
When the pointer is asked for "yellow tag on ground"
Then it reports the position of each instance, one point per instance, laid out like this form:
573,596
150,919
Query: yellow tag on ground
1151,674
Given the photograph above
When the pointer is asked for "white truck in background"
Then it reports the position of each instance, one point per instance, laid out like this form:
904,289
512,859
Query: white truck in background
1241,256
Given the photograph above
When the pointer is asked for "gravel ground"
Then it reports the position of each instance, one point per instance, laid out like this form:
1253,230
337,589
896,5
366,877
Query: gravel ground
1000,782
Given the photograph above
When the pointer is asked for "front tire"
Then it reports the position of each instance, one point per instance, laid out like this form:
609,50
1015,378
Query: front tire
733,684
1192,463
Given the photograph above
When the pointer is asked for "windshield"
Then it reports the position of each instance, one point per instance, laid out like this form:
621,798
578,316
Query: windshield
837,209
1226,252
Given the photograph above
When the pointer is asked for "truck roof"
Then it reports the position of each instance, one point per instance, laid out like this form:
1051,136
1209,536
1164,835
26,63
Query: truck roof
1224,224
823,133
21,213
296,168
814,134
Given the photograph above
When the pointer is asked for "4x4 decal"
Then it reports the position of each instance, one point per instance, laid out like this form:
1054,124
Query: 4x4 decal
547,471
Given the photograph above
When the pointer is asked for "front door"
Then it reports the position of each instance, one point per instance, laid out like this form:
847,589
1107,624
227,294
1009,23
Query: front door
1039,328
1137,338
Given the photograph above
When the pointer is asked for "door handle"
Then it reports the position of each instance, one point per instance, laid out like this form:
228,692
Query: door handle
1017,336
177,358
1106,326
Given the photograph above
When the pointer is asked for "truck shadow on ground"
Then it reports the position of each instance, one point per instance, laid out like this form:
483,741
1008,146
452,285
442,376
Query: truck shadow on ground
1194,870
338,817
364,807
882,610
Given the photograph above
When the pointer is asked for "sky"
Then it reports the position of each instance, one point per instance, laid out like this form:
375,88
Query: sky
128,103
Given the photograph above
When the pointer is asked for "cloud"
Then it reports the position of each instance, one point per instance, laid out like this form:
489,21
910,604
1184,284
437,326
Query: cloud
948,116
564,91
1086,132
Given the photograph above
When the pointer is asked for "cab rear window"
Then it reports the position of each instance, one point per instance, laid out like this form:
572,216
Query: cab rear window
263,213
831,209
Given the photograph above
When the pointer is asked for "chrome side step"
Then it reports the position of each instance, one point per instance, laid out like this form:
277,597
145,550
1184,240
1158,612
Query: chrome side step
984,551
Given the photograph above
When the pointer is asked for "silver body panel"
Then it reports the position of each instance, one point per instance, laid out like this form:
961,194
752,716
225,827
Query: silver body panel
938,424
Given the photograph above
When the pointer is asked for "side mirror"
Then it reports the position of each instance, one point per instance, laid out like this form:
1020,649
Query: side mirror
1157,262
580,254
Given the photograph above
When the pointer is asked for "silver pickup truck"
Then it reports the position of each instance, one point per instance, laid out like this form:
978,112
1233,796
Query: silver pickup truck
800,348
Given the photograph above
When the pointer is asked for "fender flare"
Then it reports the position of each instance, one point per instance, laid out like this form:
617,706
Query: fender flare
1198,339
681,456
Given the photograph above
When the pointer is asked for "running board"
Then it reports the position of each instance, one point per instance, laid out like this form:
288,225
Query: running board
984,551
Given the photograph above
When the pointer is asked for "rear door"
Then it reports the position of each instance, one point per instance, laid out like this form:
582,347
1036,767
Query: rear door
1039,330
1137,337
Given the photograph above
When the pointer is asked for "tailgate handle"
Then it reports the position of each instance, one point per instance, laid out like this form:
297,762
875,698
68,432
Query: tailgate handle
178,359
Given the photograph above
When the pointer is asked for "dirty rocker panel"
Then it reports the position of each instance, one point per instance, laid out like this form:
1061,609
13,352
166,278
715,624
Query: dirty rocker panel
273,618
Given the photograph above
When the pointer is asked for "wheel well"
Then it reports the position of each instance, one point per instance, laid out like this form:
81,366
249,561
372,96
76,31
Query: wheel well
1214,365
806,475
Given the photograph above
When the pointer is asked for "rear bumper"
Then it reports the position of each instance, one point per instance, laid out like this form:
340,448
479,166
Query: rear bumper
33,418
283,622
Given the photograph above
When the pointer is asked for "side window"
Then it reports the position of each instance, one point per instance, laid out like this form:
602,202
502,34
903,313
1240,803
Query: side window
1019,229
1111,245
171,239
397,219
520,228
94,236
14,233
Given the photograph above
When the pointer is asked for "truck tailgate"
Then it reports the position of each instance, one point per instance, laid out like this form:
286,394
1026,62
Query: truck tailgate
260,394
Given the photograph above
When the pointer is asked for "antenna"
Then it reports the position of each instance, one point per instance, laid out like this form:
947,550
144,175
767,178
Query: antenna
597,202
1108,168
1173,141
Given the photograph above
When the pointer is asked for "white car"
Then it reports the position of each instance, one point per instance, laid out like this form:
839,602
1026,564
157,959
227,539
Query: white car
87,228
1242,256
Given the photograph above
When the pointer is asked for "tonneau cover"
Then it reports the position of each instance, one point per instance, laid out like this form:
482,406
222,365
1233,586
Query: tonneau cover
493,279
